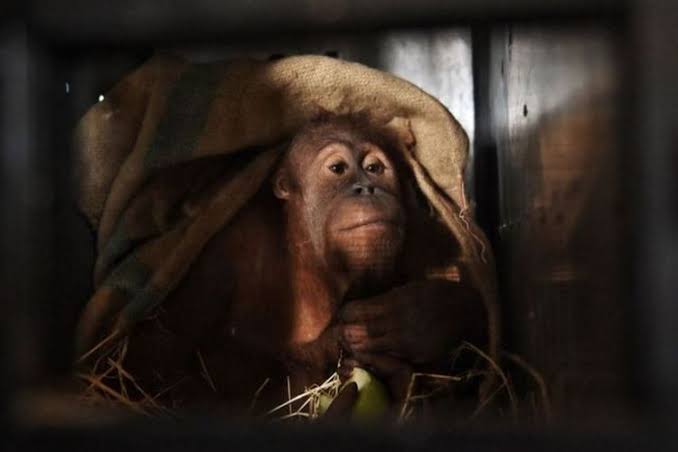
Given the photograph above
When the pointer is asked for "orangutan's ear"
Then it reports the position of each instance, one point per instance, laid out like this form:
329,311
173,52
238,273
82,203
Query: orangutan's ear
402,129
281,184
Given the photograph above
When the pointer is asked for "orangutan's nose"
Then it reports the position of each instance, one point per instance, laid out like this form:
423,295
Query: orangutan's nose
363,188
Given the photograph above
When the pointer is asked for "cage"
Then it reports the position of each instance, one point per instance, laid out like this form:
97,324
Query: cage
569,107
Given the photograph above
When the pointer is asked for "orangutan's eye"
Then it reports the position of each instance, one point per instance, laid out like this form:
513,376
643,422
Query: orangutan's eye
338,168
376,168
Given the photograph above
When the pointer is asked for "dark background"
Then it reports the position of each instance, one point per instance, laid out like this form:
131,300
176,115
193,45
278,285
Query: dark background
587,279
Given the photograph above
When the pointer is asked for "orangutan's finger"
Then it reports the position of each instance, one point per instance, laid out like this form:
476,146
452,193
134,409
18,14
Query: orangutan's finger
370,344
382,365
359,311
354,333
340,408
397,373
345,370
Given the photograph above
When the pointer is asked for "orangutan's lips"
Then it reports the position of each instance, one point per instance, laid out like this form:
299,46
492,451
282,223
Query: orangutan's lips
376,222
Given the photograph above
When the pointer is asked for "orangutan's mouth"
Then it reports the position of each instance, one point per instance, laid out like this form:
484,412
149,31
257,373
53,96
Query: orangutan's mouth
377,223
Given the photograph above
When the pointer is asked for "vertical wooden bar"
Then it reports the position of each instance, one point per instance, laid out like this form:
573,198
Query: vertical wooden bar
657,203
562,214
25,227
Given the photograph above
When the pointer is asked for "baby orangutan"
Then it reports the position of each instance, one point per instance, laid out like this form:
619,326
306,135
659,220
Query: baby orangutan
328,263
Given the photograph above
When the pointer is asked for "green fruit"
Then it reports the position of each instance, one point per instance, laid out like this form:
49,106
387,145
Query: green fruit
373,399
325,402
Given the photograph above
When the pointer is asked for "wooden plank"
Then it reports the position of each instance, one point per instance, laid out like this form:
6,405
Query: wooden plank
563,252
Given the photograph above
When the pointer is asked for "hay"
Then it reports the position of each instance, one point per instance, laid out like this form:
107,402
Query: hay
310,400
112,386
257,393
501,398
410,397
541,384
109,384
205,373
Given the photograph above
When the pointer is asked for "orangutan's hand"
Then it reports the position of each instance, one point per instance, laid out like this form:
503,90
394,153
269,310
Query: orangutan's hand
417,323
